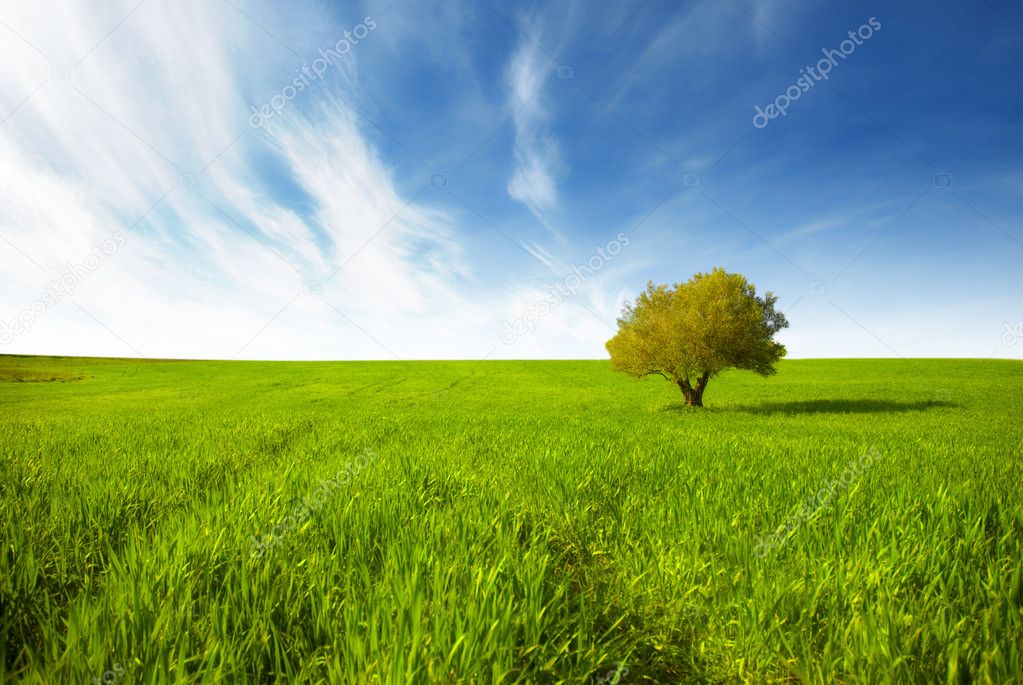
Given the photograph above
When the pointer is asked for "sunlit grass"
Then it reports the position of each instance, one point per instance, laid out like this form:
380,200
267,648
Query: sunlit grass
517,522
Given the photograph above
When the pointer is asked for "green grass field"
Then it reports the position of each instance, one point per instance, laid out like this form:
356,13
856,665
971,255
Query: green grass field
510,522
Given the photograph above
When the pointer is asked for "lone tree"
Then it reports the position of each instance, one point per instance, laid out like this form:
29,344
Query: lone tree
693,331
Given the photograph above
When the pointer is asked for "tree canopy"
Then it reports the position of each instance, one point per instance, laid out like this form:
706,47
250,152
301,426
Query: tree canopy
691,331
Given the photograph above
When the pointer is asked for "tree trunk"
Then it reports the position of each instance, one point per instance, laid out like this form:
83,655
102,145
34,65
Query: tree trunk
694,396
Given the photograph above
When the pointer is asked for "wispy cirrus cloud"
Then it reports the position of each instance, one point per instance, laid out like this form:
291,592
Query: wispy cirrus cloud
148,136
538,160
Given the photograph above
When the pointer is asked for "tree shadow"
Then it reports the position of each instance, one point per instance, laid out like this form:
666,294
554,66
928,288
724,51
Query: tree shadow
843,407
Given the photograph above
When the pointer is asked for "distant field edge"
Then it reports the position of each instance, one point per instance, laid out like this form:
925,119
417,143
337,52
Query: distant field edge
139,360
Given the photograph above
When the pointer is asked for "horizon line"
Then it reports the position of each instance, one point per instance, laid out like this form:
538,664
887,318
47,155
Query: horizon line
467,359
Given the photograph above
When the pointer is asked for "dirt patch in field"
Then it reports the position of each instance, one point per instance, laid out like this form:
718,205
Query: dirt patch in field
36,376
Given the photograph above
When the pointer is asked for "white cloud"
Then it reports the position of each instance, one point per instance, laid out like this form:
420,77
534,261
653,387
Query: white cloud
538,165
162,96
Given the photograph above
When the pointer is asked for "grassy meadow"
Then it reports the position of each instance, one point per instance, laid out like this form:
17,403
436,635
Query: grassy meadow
503,522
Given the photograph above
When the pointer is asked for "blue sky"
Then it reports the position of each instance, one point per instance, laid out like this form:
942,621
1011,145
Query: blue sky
437,191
